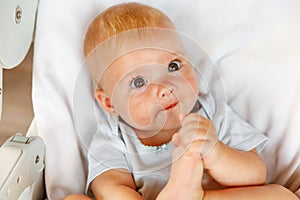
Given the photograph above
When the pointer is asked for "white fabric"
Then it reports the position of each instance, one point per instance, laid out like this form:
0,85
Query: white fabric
112,148
254,43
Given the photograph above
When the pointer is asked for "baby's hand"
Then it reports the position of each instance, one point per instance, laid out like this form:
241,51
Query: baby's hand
197,135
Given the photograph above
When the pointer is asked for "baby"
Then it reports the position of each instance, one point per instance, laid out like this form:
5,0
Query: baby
163,139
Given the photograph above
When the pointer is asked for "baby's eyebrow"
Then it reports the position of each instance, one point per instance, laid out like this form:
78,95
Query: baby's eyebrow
173,55
179,53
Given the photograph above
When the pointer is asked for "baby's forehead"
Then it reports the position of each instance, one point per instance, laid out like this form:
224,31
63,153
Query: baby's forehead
154,40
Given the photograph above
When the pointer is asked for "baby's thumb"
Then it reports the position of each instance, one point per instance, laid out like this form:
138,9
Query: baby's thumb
176,139
181,116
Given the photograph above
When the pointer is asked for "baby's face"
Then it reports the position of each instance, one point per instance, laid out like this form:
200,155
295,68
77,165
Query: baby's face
150,89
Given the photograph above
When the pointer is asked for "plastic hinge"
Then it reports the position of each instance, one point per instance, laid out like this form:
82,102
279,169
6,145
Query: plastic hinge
25,167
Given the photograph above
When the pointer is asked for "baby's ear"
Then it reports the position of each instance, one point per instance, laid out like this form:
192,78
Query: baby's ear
104,101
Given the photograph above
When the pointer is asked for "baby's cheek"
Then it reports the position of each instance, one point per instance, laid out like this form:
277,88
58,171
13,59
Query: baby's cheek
192,81
188,94
189,78
139,110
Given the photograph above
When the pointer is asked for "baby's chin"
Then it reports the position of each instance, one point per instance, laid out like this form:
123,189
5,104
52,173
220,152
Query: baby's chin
151,132
161,121
168,121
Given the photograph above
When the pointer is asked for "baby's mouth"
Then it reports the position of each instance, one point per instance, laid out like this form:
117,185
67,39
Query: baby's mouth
171,106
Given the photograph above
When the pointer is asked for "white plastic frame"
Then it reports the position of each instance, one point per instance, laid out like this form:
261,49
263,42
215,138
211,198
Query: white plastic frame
22,167
17,25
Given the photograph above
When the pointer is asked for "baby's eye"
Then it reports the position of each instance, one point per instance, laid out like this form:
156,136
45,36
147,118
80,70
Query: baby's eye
138,82
174,66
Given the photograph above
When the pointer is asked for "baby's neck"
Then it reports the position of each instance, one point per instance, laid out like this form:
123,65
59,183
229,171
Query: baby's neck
157,139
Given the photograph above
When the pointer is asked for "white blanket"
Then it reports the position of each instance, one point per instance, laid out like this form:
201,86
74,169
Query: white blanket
255,44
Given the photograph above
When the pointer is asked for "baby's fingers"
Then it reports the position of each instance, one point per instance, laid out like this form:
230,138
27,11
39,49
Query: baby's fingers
192,119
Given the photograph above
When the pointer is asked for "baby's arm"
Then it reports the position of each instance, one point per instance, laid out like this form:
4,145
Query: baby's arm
231,167
112,184
115,184
185,180
228,166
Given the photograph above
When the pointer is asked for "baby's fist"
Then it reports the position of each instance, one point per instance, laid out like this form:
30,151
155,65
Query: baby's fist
197,135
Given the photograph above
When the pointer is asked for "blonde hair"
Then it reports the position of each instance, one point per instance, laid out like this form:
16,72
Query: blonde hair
121,18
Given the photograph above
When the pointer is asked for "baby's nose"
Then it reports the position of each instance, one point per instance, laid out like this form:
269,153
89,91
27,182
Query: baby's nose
164,91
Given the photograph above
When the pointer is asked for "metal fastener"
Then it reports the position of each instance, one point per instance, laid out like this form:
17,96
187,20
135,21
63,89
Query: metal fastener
18,14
